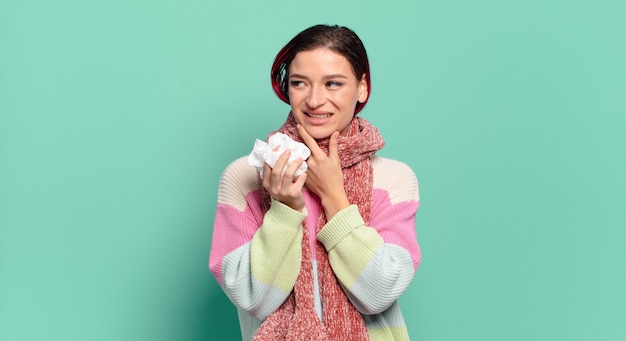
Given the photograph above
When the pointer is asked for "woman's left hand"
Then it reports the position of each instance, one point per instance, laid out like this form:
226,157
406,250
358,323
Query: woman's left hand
324,175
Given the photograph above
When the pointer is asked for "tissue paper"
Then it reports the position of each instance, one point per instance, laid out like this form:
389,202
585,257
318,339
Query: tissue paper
263,152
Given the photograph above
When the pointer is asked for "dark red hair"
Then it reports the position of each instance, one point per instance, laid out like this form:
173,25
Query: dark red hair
339,39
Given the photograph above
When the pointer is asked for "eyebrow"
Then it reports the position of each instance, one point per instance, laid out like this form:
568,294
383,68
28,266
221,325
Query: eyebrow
336,75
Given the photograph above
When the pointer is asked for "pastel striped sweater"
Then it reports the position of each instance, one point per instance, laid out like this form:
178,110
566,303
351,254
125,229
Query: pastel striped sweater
256,257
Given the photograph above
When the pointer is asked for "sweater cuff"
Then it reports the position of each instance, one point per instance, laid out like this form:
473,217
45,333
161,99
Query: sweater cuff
281,214
342,224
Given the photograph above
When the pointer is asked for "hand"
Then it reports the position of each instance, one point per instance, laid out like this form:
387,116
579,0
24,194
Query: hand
281,183
325,177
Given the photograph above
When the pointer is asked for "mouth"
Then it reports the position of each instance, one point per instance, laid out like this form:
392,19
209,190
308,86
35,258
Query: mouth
320,116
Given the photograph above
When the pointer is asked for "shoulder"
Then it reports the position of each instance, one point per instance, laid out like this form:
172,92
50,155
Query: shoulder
237,181
396,178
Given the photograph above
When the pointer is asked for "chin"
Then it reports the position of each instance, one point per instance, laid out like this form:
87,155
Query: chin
319,133
320,136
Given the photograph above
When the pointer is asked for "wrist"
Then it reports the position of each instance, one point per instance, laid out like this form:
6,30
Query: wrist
296,205
334,205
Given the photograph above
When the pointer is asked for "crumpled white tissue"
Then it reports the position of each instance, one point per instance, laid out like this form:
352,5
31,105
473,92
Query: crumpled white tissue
263,152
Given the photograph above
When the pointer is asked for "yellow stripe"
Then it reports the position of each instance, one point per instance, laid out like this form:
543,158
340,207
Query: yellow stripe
389,334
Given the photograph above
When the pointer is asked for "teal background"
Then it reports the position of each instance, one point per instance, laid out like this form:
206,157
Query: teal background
117,118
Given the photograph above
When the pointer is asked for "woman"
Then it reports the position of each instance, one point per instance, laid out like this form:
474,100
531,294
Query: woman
324,255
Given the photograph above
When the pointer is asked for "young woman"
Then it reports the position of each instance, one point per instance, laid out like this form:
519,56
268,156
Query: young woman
324,255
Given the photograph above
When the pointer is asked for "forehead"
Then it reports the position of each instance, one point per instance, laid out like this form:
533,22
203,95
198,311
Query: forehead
320,61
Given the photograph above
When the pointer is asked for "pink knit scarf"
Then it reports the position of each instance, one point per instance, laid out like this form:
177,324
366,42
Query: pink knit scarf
296,318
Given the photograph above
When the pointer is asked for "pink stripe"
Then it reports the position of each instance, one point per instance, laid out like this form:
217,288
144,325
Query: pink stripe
232,229
314,209
396,223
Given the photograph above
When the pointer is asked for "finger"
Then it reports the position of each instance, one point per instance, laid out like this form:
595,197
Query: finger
300,180
281,163
291,170
274,175
309,141
267,172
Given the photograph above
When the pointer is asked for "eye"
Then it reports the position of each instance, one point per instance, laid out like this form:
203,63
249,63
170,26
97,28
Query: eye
333,84
296,83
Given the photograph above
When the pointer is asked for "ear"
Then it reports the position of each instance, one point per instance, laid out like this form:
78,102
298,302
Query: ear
363,89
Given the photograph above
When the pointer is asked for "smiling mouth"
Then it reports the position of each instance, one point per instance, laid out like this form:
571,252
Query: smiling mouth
318,116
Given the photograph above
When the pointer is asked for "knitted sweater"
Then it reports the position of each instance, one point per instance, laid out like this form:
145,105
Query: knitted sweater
256,257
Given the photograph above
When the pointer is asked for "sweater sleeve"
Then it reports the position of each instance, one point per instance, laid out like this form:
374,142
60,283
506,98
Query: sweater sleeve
255,257
375,264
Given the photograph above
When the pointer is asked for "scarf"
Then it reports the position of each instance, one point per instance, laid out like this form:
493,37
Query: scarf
296,318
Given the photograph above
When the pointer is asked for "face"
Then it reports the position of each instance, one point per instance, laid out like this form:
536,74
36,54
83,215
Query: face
323,91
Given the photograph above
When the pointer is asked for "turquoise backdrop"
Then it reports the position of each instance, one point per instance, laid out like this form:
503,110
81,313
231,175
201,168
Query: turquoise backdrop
118,117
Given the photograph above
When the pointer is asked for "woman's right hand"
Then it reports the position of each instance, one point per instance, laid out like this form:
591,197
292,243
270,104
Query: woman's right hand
285,187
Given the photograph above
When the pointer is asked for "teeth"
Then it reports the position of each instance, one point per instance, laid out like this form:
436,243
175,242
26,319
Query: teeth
319,116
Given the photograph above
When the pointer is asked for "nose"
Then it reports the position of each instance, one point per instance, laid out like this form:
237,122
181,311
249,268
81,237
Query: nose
316,97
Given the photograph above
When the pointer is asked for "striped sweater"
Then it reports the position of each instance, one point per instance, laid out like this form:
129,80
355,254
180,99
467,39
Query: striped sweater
256,257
